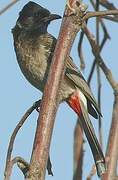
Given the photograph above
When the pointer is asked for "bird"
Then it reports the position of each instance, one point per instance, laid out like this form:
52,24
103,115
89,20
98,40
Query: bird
34,47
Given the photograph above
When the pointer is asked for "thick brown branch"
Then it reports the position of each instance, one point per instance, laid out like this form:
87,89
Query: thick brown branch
50,99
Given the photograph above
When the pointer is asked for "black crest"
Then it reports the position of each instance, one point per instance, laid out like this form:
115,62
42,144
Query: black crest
32,8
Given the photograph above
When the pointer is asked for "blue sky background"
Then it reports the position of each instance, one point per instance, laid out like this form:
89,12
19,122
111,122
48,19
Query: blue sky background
17,95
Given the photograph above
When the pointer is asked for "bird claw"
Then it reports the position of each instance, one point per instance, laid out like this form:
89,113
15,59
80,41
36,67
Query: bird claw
37,105
38,109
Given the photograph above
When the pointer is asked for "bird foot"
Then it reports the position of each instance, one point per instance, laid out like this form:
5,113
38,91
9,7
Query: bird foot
37,104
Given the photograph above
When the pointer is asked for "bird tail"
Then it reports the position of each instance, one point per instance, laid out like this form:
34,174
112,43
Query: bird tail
76,103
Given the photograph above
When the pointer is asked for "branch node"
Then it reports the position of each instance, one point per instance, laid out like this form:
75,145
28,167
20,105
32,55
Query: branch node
77,8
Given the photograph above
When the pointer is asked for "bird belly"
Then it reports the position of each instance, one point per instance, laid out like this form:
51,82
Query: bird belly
66,89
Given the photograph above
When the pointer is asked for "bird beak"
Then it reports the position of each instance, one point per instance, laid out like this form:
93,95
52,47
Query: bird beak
52,17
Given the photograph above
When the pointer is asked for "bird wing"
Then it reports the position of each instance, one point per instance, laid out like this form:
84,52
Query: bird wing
76,77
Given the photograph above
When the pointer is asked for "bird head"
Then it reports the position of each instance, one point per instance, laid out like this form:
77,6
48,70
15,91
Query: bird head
34,17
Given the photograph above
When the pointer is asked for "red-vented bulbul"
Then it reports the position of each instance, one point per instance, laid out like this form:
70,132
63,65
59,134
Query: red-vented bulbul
34,48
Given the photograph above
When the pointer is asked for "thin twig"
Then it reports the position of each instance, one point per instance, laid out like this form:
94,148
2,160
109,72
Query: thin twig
110,6
98,76
107,4
8,6
106,36
114,19
96,52
82,63
112,147
13,136
100,14
102,22
99,103
94,62
92,173
96,7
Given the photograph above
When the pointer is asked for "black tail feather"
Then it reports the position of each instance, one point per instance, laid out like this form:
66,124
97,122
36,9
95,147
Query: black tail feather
92,139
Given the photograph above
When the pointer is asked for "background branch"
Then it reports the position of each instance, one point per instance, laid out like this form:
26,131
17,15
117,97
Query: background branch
80,52
100,13
107,4
112,150
96,52
8,6
78,151
112,147
9,162
99,83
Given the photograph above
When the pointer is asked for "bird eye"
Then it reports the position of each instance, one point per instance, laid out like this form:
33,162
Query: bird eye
36,14
41,15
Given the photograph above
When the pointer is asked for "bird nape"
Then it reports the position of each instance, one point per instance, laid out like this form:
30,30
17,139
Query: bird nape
34,48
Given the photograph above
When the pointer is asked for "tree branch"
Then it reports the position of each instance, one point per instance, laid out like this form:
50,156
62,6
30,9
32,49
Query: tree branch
8,6
70,27
94,62
107,4
100,61
9,162
100,14
99,83
112,147
114,19
80,52
78,151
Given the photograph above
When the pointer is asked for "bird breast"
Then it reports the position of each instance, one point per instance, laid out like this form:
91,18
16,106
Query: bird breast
32,58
